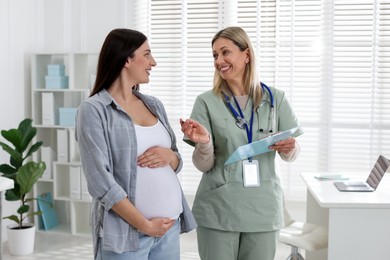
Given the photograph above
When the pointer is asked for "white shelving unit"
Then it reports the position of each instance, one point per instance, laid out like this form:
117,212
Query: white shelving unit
64,178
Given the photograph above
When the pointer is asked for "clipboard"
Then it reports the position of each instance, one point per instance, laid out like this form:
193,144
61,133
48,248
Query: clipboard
259,147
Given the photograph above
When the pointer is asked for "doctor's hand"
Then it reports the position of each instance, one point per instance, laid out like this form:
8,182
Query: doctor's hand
195,131
285,146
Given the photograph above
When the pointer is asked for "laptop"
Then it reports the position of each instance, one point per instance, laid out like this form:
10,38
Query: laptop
373,180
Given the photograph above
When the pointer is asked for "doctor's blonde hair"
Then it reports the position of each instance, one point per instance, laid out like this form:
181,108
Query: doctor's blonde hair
251,83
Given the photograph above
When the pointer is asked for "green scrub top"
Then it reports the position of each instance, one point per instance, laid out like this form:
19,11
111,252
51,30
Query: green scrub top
222,202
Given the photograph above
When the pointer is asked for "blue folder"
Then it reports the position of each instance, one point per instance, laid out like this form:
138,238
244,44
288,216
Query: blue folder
49,214
259,147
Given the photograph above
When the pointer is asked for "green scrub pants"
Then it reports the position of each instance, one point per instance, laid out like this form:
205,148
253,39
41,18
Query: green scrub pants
216,244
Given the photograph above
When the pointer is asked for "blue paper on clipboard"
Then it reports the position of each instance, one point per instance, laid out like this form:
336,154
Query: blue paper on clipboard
259,147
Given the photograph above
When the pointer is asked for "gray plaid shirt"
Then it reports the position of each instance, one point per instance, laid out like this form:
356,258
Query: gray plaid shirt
108,149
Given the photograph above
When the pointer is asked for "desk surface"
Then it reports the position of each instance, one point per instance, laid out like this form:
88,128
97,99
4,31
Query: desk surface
327,195
6,183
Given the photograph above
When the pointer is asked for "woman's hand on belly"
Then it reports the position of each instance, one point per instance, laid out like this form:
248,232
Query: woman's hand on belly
157,227
156,157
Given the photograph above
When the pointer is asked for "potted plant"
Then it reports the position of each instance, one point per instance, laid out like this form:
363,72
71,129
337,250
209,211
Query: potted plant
25,173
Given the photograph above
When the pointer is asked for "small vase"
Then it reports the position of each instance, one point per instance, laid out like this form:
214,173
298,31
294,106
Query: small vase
21,241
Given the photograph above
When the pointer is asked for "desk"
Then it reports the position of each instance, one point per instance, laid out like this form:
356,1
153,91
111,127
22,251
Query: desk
343,212
5,184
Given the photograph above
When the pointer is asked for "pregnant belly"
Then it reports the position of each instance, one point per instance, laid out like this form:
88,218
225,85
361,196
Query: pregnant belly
158,193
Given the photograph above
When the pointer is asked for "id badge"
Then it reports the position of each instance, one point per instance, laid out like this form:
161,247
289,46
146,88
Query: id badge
250,172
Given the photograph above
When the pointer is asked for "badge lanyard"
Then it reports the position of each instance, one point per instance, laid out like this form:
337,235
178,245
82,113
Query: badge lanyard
250,169
240,119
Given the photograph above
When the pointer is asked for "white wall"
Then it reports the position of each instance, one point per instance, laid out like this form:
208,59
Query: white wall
29,26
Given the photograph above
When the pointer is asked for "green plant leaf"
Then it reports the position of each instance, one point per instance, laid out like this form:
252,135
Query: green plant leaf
27,133
34,148
13,218
13,194
16,157
25,125
34,213
28,175
13,136
7,169
11,176
23,209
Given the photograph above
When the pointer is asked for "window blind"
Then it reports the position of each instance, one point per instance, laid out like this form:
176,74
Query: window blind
330,57
180,35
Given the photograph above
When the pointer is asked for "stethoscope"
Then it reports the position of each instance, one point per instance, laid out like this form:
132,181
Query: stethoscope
240,119
271,118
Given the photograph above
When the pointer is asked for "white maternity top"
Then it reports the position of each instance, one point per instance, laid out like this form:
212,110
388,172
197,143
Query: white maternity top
158,192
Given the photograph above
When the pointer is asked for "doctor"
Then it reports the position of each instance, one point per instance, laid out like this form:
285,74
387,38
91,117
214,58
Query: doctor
238,207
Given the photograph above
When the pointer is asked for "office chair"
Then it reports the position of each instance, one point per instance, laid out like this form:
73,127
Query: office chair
301,235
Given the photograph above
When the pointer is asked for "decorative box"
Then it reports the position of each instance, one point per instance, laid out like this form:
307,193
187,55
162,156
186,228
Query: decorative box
56,82
68,116
56,70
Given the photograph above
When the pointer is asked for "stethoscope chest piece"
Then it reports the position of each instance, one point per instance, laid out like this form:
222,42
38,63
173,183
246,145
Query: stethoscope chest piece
240,122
